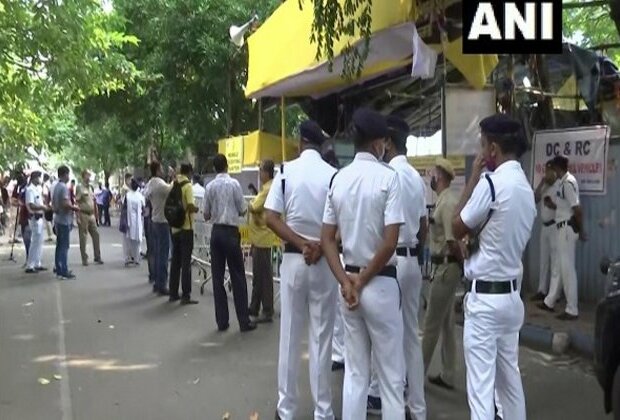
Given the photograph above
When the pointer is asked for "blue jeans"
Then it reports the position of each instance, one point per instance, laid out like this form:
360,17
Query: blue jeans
159,250
62,249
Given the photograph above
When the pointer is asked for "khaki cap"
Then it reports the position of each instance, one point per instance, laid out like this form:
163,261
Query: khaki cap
446,165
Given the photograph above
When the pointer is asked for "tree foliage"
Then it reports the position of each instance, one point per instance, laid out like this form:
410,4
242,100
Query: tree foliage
334,19
54,53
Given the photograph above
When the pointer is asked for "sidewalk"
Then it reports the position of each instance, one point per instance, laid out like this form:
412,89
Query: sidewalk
543,331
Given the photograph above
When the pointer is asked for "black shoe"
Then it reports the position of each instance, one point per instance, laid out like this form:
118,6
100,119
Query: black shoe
68,276
41,268
544,307
188,301
173,298
250,326
538,297
224,328
567,317
99,262
373,405
438,381
31,270
337,366
162,292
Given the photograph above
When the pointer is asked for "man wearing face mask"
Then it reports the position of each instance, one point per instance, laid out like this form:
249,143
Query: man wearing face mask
499,209
411,234
446,259
365,205
546,191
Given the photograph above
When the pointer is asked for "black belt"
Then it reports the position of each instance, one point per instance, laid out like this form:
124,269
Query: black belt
440,259
387,271
36,216
561,224
292,249
549,223
404,251
227,227
493,287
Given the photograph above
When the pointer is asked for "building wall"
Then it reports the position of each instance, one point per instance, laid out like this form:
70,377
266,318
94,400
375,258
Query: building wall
602,225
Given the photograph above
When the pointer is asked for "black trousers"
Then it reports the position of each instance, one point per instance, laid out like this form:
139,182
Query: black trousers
226,250
181,264
262,282
106,215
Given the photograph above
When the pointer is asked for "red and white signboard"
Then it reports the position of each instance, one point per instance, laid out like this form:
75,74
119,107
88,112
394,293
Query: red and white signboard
585,147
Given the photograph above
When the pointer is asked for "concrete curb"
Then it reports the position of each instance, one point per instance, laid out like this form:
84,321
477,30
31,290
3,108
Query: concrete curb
545,339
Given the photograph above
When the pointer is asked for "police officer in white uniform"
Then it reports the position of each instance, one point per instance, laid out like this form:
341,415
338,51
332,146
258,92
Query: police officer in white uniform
35,206
569,227
409,273
498,209
545,194
308,288
364,204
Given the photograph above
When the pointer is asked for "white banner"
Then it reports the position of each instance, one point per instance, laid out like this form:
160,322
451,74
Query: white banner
585,147
465,108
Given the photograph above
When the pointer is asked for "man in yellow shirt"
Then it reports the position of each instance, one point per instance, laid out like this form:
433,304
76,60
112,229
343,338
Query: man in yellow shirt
183,242
262,238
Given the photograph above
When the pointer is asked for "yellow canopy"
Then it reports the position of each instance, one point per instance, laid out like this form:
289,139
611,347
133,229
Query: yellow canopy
282,59
250,149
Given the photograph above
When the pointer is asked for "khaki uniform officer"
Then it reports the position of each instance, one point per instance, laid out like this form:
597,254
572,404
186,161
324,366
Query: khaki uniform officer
308,290
364,204
499,209
87,223
446,258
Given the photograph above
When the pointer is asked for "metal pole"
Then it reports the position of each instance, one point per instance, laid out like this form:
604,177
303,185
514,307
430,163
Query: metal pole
283,128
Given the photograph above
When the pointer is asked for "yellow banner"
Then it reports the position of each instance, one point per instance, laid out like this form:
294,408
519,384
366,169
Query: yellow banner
425,163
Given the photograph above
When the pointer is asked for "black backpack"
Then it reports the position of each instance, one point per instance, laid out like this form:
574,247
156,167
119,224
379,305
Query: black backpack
174,211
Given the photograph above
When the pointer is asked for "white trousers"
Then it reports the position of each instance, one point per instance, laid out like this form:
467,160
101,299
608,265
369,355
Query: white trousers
547,256
131,249
563,273
338,340
306,292
36,243
410,280
491,344
377,324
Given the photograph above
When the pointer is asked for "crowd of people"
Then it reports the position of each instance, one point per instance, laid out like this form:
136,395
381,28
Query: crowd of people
351,263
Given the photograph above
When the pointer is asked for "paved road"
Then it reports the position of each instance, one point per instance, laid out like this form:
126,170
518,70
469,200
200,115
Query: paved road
121,353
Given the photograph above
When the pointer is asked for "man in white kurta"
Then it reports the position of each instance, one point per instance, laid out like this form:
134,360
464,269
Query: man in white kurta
135,225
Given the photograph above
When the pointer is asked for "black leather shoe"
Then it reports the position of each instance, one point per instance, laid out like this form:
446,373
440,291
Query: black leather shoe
188,301
162,292
41,268
224,328
538,297
544,307
173,298
250,326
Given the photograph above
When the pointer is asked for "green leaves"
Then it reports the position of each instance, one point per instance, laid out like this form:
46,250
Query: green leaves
334,19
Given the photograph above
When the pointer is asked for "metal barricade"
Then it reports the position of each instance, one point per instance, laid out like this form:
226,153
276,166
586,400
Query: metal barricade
201,258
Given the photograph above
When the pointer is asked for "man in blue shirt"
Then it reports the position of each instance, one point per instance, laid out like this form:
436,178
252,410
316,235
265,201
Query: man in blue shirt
63,220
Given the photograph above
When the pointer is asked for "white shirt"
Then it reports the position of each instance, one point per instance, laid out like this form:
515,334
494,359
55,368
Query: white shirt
156,191
567,197
364,198
223,201
34,195
547,214
306,183
503,239
198,191
412,193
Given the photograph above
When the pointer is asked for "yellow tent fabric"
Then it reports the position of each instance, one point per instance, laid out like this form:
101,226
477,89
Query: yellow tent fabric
249,150
281,47
281,56
568,89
